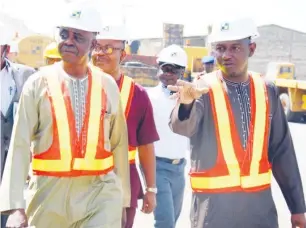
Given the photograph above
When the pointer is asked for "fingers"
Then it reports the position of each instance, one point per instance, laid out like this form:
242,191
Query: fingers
202,90
143,209
174,96
173,88
147,208
182,83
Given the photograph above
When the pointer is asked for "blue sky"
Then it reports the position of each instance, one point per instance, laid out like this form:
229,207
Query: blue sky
144,18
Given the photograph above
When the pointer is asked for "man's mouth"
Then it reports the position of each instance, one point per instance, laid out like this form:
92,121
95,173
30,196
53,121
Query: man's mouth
101,59
228,64
68,52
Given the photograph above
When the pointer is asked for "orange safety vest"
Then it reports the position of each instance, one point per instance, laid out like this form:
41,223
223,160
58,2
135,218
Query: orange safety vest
127,88
70,155
237,169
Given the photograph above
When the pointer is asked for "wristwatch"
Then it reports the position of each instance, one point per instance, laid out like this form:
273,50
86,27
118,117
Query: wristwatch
153,190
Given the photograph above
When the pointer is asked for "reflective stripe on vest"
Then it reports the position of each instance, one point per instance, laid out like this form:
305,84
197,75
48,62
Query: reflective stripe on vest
127,87
132,154
68,156
235,169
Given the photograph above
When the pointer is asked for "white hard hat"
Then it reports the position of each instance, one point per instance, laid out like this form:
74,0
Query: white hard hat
113,32
236,29
173,54
82,17
6,35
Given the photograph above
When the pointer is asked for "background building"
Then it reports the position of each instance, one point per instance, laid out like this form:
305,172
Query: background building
275,43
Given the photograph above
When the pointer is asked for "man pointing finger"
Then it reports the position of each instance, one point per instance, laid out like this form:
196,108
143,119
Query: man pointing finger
239,136
187,92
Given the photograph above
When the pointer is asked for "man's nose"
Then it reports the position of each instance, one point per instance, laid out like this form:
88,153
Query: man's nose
226,55
70,39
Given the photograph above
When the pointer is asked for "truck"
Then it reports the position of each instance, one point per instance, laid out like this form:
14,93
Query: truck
194,64
144,68
292,89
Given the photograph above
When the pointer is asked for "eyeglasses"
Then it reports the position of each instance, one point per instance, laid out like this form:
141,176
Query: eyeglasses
171,69
108,49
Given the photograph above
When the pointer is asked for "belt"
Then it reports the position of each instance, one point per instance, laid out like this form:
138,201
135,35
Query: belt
171,161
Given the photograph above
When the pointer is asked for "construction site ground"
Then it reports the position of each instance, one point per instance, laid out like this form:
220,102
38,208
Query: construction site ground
147,221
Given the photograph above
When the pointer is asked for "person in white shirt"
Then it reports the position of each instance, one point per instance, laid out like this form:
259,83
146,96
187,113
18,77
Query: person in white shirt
12,78
170,150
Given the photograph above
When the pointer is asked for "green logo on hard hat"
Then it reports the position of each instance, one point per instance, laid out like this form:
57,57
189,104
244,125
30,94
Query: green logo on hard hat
225,27
76,14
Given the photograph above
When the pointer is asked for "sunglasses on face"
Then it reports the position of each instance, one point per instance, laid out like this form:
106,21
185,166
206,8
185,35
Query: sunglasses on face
171,69
64,35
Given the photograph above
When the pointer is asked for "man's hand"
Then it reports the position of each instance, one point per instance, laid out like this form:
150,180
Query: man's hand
187,92
17,219
149,203
298,221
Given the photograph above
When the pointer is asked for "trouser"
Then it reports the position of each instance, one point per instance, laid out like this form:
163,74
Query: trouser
136,193
170,180
130,215
233,210
3,220
87,202
3,154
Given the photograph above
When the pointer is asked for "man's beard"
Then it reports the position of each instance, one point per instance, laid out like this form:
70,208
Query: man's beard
234,75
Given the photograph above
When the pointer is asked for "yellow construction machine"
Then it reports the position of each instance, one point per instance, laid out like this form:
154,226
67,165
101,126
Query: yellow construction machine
292,89
31,50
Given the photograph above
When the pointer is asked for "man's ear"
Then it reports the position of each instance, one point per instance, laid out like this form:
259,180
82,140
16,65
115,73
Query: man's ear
8,48
252,49
123,55
93,45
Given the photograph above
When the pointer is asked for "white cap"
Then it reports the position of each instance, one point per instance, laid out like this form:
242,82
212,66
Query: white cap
113,32
82,17
236,29
173,54
6,35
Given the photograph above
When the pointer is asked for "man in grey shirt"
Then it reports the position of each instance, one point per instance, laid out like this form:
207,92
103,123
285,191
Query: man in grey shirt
239,136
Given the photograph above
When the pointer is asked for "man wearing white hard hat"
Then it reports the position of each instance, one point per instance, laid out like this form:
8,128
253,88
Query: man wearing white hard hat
108,54
70,115
171,148
239,136
12,78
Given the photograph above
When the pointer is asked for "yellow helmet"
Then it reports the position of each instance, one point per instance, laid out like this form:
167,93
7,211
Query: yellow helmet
51,51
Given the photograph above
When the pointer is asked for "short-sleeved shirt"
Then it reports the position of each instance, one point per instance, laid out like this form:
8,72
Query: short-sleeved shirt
171,145
141,131
140,121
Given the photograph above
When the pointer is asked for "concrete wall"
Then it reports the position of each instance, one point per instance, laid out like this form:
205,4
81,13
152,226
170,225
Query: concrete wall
280,44
150,47
153,46
275,43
